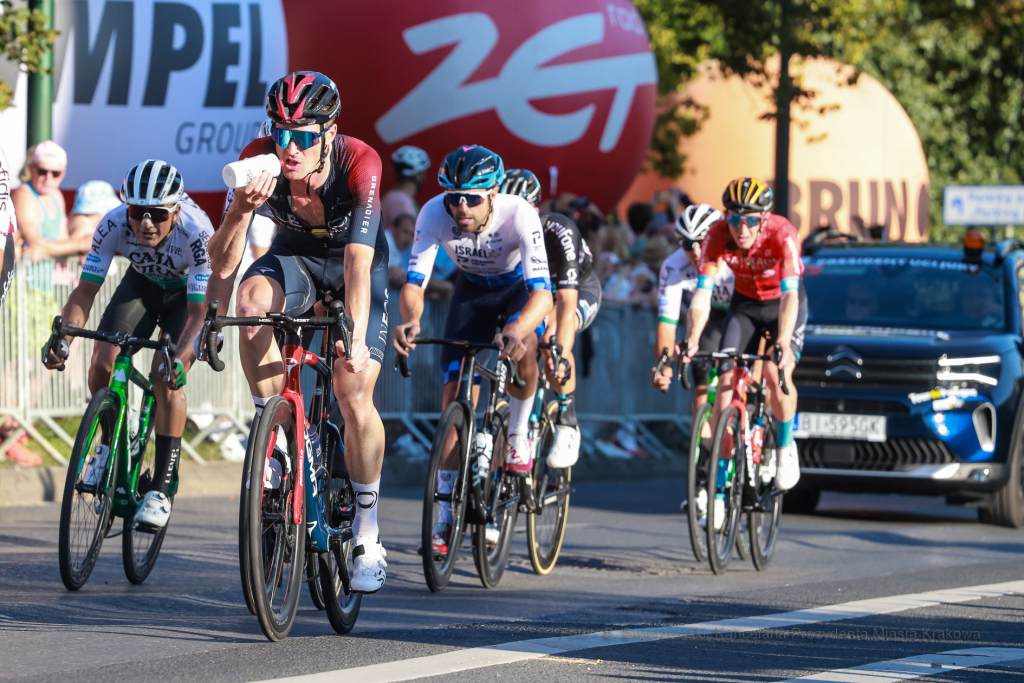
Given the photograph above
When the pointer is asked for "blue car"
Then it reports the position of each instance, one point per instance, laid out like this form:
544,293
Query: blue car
911,375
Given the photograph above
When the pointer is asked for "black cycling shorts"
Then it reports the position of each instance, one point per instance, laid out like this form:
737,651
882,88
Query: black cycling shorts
139,305
710,339
588,302
307,279
749,319
474,314
7,269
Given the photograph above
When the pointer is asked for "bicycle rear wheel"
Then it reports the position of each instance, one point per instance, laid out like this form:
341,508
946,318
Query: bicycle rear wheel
85,511
697,479
139,548
335,569
502,495
276,543
728,444
313,580
545,528
437,568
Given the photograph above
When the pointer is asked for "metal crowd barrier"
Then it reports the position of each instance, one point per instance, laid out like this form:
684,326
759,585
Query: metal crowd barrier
613,368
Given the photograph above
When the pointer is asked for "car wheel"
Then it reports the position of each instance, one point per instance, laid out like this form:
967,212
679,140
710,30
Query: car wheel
801,500
1007,507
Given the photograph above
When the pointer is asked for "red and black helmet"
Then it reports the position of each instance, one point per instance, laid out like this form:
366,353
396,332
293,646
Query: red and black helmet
302,98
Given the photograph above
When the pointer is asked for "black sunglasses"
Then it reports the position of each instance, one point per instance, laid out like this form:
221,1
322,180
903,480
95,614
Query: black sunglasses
43,172
688,245
453,199
155,213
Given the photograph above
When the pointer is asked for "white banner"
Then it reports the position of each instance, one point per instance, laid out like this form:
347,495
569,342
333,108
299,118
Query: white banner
983,205
185,82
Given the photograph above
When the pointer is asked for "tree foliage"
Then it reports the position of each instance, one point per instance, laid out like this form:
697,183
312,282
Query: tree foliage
24,39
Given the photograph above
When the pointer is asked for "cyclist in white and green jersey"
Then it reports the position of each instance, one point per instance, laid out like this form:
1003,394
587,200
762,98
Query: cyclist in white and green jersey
164,234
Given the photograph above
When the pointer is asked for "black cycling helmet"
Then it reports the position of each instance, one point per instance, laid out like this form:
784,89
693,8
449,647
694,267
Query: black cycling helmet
302,98
747,195
471,167
522,183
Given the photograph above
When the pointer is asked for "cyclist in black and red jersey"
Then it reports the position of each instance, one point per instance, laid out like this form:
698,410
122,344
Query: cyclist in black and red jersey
763,251
329,244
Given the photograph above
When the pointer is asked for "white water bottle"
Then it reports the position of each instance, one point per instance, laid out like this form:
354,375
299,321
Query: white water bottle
242,172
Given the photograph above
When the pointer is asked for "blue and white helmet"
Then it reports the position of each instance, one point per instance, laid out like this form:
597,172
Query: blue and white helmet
471,167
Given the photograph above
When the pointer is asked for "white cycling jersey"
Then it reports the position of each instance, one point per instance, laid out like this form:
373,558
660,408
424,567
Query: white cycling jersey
182,260
509,251
8,221
678,282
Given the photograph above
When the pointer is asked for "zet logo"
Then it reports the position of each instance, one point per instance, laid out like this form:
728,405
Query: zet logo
119,375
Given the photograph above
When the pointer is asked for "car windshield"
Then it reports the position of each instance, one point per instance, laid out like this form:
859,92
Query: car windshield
904,292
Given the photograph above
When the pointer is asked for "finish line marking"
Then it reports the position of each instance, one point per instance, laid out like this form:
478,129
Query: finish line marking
507,653
917,667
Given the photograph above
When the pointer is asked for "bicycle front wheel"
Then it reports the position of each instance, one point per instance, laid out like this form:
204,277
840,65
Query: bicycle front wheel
545,526
438,567
763,522
334,569
697,479
723,517
139,549
243,520
502,495
85,510
276,549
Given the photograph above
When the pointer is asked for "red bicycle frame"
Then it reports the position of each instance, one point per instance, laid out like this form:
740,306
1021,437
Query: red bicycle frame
294,357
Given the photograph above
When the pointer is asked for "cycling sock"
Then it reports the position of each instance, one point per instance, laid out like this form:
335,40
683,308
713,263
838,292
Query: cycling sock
519,415
260,404
785,433
168,449
445,484
566,410
366,508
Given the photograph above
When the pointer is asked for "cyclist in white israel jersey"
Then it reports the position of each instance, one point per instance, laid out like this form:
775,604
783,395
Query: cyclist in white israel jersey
497,241
510,251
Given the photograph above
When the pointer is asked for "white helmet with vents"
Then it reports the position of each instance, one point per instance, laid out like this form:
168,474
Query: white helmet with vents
153,183
695,221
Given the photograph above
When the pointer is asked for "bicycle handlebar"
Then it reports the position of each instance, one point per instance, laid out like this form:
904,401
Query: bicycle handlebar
214,324
716,355
58,330
402,362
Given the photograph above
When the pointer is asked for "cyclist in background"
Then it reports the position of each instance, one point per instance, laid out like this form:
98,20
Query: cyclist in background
577,301
8,226
763,251
164,235
497,242
329,244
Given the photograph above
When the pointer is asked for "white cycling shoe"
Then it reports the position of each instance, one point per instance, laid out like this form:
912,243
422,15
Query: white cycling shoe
154,510
789,467
769,466
702,510
368,573
566,449
519,454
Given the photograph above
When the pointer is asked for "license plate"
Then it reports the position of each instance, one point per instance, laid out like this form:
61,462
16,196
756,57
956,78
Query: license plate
833,426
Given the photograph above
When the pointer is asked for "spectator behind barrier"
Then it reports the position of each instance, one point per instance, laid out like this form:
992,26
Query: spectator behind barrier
92,201
641,222
39,205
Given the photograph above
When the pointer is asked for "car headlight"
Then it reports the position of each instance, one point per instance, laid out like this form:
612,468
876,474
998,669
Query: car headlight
981,369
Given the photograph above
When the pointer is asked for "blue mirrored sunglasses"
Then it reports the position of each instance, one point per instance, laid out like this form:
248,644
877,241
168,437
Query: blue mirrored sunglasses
453,199
736,220
304,139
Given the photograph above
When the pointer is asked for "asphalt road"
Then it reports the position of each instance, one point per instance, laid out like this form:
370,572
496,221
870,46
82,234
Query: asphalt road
626,574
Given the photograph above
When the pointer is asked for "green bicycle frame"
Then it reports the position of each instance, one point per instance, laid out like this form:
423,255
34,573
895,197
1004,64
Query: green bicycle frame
127,450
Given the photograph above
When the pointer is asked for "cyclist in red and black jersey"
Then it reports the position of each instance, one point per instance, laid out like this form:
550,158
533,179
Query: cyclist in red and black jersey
763,251
329,244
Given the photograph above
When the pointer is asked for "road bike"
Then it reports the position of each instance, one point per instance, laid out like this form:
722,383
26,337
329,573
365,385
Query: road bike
296,503
744,435
110,470
484,495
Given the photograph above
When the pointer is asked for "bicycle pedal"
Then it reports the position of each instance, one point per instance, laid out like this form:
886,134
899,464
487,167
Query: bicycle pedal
145,528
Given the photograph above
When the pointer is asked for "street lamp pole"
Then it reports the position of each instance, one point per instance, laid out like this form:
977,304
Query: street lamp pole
784,100
40,86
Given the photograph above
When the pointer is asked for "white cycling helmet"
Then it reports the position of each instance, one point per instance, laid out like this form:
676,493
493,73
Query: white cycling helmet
695,221
409,161
152,183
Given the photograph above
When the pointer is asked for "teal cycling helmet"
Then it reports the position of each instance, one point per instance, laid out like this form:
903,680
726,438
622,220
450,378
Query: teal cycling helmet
471,167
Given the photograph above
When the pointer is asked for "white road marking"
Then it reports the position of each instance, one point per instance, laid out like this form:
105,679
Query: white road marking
916,667
507,653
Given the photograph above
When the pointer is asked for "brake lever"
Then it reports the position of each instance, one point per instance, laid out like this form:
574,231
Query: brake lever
167,350
782,377
662,362
209,337
345,325
402,365
53,343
